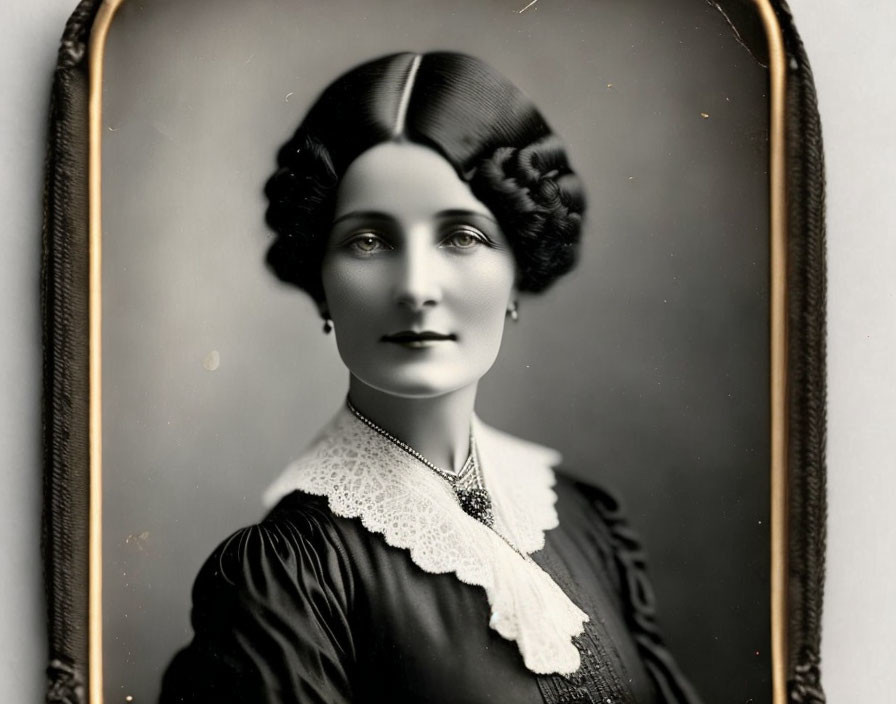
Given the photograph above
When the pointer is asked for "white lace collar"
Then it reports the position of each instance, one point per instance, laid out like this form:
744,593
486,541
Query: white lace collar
365,476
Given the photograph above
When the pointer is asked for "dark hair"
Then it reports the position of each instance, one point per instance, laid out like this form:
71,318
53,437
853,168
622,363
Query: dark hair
486,128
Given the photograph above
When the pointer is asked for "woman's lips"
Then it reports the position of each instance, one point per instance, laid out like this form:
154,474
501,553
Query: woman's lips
415,339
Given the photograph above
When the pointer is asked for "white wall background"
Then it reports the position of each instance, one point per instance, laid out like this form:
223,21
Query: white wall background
854,56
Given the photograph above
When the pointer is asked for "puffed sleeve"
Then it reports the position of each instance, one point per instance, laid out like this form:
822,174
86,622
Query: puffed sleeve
270,615
624,552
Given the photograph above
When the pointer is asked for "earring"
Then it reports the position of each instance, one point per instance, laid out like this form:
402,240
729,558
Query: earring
514,311
328,326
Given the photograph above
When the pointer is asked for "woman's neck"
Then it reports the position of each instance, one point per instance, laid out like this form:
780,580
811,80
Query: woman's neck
438,427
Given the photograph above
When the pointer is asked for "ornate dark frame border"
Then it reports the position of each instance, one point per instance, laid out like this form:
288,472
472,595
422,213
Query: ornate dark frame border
66,391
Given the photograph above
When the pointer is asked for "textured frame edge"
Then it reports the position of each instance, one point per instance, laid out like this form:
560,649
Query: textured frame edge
806,275
70,299
66,400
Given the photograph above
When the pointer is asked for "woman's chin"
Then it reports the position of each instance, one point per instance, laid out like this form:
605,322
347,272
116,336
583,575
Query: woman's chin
408,384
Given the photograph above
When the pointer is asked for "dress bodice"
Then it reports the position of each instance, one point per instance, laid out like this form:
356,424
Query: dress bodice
326,602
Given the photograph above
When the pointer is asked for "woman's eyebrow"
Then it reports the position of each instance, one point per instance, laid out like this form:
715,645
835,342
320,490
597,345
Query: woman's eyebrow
364,215
462,213
386,217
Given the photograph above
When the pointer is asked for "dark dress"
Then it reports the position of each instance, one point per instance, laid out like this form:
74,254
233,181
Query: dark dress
309,607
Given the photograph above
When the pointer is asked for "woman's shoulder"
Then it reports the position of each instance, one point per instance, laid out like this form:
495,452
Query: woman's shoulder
298,518
598,500
302,514
298,539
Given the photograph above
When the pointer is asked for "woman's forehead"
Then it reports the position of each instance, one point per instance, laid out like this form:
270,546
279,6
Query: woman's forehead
404,181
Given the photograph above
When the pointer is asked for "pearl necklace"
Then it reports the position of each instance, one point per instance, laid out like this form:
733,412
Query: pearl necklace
468,484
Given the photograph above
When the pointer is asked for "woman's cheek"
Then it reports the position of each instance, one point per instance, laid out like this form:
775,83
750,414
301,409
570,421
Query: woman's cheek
487,292
348,284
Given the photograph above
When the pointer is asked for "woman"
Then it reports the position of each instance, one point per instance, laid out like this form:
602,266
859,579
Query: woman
415,553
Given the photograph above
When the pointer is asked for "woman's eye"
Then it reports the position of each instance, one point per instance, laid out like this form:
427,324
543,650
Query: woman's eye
367,243
465,238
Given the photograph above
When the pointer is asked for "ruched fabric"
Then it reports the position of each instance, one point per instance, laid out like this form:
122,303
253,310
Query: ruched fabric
270,615
308,607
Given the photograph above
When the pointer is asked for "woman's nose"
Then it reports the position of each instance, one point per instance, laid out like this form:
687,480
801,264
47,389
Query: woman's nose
417,284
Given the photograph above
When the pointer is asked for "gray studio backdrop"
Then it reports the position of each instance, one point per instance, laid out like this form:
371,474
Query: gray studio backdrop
647,367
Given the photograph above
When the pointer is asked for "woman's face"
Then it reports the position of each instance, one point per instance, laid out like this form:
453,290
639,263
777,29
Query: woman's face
417,275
